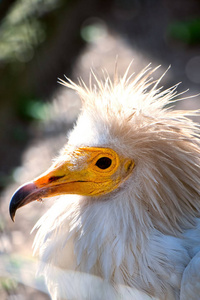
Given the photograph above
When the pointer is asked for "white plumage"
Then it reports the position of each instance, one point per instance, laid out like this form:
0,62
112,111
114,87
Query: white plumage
141,240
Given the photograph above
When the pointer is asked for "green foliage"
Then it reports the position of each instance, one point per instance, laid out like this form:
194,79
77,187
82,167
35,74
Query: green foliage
22,29
32,109
94,31
187,32
17,42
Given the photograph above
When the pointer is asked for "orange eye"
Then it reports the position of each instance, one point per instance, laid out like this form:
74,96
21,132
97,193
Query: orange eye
103,163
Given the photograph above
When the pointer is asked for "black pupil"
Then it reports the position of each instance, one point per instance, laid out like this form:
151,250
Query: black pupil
103,163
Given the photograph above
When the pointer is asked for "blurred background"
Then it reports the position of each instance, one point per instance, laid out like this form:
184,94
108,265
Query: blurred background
40,41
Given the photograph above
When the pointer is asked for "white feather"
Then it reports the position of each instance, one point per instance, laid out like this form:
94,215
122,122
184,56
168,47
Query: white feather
135,242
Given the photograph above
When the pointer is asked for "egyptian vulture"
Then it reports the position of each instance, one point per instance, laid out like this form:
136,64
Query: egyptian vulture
131,229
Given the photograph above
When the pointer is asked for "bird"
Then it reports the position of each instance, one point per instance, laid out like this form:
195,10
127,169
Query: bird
126,224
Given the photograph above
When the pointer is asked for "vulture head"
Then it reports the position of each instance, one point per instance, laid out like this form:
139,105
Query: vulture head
132,168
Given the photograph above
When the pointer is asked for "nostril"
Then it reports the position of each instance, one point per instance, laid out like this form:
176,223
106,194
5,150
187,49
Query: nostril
55,178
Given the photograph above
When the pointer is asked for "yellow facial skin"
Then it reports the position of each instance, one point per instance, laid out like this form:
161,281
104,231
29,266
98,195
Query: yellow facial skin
86,171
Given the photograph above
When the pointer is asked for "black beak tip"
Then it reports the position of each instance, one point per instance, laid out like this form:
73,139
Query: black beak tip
12,212
19,198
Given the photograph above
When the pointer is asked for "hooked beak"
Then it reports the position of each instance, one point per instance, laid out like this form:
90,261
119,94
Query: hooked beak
57,180
21,197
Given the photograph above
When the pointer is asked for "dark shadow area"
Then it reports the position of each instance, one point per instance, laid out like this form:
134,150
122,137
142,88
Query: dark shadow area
168,31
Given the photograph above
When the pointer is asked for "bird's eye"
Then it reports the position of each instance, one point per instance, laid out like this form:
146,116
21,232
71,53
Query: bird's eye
103,163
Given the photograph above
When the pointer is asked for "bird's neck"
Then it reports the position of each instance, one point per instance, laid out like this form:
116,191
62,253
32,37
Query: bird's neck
108,240
106,233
